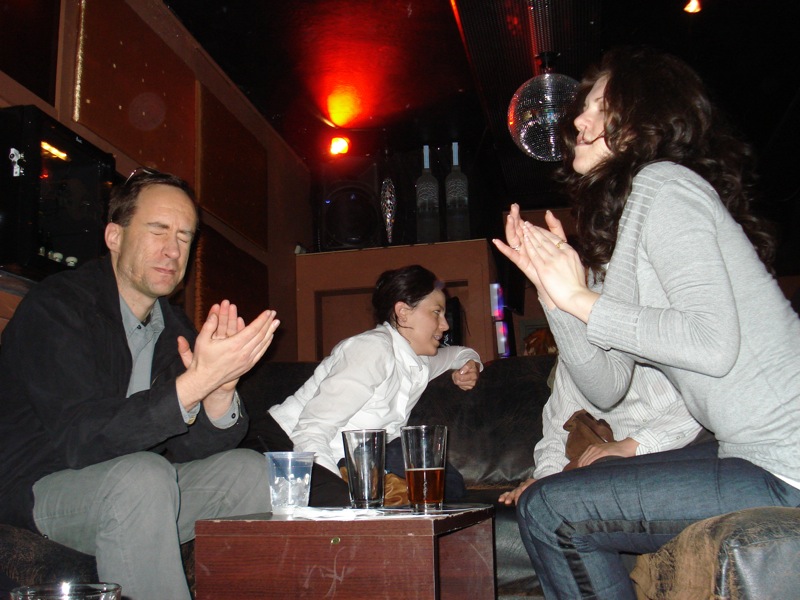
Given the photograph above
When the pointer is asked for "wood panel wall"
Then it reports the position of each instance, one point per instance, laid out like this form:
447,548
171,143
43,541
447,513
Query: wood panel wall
131,80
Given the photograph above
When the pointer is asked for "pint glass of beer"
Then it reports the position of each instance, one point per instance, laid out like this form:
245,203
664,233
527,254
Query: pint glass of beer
424,453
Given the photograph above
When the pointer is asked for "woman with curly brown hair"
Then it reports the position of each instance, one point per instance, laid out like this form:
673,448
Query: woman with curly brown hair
669,271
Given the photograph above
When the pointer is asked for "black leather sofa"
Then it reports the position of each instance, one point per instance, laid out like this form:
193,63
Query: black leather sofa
492,432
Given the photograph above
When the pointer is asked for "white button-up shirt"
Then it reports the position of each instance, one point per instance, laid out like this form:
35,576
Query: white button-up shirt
370,381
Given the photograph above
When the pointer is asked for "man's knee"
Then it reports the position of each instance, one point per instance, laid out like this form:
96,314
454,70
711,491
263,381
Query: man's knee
245,463
530,498
239,476
535,509
250,458
144,474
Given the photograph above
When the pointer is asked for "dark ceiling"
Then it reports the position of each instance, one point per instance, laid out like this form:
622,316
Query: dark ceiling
433,72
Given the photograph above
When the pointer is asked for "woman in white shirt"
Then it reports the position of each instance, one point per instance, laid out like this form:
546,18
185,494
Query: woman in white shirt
373,380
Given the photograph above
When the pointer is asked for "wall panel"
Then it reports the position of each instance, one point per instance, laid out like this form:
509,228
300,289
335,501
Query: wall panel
233,171
223,271
132,90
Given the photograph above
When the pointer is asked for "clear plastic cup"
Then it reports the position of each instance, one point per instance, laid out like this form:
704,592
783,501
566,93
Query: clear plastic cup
289,475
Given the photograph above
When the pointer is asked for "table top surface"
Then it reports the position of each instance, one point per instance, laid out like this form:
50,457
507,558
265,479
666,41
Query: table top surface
389,521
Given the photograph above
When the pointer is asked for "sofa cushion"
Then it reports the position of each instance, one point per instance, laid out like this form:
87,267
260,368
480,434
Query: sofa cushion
270,383
493,428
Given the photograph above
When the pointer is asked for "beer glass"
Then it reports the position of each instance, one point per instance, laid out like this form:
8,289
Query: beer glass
424,454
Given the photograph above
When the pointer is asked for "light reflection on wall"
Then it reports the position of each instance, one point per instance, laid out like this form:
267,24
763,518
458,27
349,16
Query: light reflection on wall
359,63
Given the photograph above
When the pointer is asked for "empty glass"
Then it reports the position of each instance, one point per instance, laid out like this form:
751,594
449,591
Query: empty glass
365,453
68,591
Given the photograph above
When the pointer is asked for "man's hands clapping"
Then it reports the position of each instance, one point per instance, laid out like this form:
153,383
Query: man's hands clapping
225,350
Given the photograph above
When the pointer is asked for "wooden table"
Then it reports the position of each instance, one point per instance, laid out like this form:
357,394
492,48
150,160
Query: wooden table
447,556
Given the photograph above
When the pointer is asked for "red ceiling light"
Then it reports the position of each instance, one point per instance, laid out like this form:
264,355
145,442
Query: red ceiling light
339,145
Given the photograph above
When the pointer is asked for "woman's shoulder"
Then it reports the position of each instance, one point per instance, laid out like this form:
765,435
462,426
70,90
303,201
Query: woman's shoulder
665,192
371,340
653,176
671,186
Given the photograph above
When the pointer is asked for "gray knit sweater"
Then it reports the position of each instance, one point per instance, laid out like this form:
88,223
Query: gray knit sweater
686,292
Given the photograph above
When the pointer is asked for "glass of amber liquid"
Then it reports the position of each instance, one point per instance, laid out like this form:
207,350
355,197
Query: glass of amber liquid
424,453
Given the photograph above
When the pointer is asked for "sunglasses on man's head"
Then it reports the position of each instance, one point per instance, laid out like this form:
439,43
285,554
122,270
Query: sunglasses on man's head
141,171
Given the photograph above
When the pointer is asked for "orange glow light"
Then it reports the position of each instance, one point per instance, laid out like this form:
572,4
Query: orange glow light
354,60
693,7
339,145
344,104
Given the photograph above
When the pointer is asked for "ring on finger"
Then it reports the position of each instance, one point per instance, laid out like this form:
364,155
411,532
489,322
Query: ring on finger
560,242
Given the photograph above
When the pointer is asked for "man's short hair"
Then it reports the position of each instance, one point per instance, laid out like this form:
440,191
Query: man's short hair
122,204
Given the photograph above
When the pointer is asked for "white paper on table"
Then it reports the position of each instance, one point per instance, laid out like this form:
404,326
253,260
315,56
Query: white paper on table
350,514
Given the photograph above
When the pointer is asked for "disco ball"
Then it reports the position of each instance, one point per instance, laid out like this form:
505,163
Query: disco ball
535,111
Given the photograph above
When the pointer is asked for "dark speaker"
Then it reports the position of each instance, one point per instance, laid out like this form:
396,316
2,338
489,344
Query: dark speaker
350,215
54,189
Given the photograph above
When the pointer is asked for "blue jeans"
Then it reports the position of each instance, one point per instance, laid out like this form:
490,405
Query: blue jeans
575,524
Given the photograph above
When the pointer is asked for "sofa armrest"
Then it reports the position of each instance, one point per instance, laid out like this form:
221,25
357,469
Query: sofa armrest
748,554
27,558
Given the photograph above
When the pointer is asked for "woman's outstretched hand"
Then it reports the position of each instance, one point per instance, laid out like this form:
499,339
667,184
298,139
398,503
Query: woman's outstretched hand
549,262
514,249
